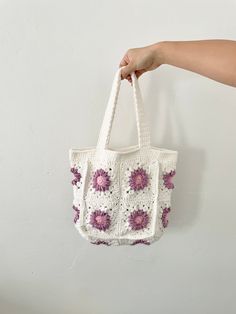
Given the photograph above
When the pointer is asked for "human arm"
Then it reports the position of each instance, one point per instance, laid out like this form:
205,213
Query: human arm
214,58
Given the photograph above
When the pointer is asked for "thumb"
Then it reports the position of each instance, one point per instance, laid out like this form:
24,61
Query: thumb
127,70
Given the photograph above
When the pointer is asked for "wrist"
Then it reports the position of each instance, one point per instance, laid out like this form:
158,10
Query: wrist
160,50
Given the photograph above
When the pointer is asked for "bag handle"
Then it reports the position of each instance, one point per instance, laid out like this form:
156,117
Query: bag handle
142,125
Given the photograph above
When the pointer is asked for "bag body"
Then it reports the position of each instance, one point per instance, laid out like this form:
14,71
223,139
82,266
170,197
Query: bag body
122,197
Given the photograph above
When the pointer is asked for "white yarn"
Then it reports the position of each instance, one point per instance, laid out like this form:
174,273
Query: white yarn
119,200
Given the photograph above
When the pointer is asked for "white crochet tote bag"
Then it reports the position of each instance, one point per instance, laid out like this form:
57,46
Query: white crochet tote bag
122,197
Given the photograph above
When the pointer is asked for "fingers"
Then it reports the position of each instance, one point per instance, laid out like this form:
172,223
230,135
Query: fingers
127,70
128,78
139,73
124,62
128,66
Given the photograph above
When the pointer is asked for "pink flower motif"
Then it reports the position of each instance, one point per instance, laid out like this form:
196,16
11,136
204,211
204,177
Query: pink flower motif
138,219
101,180
77,176
76,218
141,242
100,220
164,216
77,212
98,242
167,177
138,179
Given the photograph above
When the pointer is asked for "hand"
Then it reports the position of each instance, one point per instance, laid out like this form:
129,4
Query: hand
214,58
141,60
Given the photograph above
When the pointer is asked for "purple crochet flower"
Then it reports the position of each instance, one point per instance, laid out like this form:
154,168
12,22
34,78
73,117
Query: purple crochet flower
77,176
101,180
98,242
164,216
138,219
77,213
167,177
100,220
138,179
141,242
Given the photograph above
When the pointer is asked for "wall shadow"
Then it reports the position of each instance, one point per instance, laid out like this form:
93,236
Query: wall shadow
14,307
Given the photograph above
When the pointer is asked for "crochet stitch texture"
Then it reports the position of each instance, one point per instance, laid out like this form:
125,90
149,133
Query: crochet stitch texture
122,197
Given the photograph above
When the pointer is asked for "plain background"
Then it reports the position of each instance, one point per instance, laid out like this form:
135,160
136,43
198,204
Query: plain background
57,62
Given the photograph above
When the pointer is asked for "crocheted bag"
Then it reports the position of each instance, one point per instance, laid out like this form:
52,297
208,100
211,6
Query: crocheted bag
122,197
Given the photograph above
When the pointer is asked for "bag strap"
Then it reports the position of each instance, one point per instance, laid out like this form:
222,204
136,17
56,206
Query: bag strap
142,125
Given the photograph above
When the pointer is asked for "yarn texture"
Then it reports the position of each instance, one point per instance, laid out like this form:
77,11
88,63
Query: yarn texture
122,197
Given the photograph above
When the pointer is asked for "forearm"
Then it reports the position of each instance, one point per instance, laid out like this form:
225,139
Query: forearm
215,59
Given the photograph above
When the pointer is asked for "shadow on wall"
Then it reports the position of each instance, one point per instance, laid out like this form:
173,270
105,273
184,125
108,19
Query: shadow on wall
11,307
186,197
36,298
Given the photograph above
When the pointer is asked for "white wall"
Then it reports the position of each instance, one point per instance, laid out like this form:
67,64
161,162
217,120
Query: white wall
57,61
